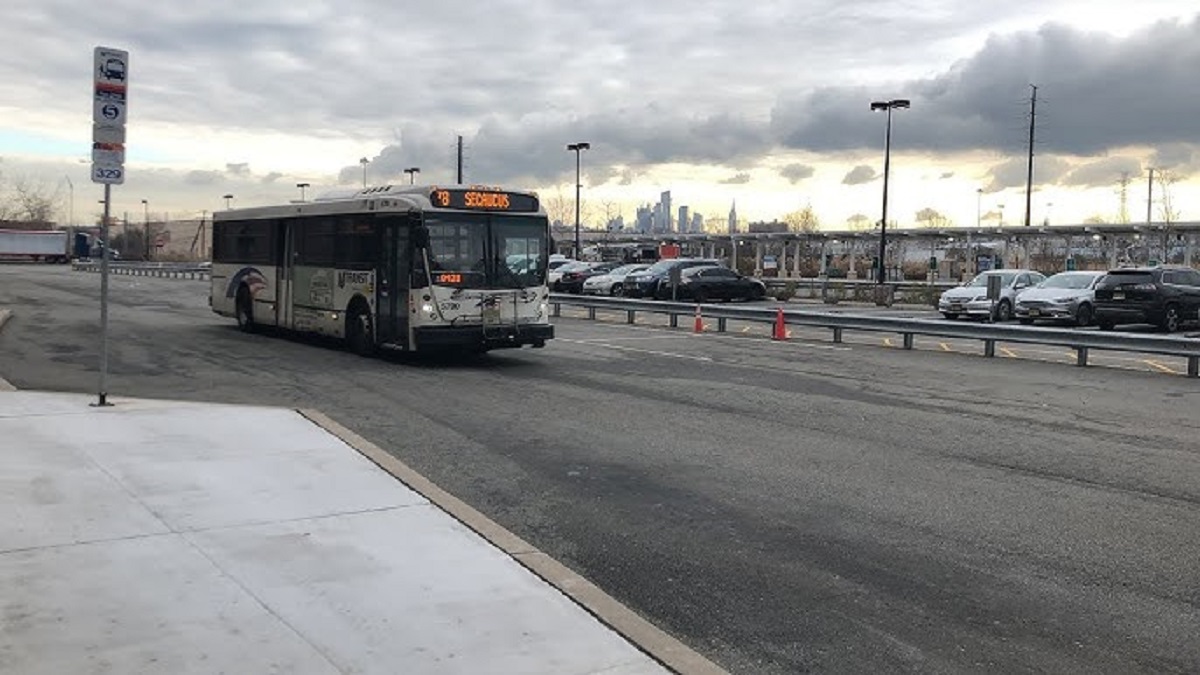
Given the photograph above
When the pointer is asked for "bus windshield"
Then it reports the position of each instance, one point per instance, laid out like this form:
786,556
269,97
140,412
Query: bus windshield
487,251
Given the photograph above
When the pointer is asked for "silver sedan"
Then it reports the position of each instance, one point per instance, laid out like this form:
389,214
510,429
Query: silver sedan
1066,296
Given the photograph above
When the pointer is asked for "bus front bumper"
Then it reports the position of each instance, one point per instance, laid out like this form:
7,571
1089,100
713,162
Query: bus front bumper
491,337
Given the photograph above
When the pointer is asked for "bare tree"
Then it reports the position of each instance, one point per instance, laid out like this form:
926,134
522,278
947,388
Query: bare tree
30,201
559,208
1167,209
805,220
859,222
928,217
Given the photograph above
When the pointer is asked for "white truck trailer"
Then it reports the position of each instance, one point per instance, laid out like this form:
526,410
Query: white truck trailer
35,245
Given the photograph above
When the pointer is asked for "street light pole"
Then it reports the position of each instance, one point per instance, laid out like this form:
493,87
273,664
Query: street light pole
978,206
227,199
301,186
146,229
887,106
70,202
364,161
577,148
412,171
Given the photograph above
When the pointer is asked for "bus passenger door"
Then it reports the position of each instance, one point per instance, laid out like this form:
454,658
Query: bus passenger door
283,280
392,293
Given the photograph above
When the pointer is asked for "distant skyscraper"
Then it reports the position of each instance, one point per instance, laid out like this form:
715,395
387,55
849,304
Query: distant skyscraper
645,220
733,217
665,201
684,222
697,223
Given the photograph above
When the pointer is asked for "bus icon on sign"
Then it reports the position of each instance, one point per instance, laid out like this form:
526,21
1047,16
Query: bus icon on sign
113,69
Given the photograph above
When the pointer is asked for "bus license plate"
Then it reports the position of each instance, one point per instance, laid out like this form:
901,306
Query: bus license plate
1118,296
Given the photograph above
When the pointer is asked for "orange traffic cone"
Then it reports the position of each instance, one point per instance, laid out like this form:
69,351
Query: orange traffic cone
699,325
780,331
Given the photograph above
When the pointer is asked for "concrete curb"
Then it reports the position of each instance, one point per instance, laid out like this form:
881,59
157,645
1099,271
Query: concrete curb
644,635
4,316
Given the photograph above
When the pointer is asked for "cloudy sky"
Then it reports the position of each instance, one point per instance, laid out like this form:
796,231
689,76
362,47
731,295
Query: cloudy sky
764,102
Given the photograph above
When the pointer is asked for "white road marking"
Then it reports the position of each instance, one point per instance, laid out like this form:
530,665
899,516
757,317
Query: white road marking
622,348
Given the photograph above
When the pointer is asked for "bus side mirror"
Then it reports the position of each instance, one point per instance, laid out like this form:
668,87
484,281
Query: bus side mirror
420,237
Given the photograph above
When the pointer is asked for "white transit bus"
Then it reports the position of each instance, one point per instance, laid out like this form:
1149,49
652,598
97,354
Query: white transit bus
413,268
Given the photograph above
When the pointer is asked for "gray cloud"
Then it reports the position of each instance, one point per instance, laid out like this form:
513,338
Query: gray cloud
738,179
947,175
645,84
797,172
1103,172
1013,173
204,177
1095,92
271,177
241,169
859,175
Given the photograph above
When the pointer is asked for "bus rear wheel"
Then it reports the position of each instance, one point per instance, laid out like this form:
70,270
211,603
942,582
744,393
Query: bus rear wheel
360,330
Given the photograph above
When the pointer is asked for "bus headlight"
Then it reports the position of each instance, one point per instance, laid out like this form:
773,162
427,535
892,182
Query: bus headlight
427,308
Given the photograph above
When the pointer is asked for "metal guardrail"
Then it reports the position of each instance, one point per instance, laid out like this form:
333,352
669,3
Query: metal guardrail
1082,342
147,269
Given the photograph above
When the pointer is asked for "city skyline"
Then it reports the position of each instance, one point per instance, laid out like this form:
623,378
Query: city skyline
259,100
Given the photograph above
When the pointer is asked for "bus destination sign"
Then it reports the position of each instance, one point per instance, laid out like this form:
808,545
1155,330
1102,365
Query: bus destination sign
485,200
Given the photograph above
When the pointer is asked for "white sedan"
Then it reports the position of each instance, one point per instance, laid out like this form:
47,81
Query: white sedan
611,283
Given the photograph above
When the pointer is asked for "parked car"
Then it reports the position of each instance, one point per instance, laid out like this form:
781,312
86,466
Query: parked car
572,277
971,298
718,283
555,269
1164,296
611,282
1066,296
654,281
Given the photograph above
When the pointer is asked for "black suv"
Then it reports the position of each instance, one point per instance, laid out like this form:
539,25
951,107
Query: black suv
655,281
1164,296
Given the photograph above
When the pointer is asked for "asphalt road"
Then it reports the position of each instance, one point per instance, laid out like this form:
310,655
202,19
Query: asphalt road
782,507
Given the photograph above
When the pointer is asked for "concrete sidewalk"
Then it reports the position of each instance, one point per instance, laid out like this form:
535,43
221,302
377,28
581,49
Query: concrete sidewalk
166,537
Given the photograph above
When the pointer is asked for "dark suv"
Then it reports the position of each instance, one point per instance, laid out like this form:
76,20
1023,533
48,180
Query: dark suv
655,281
1164,296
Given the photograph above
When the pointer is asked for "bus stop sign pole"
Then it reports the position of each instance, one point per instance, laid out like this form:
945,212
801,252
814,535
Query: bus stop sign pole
110,84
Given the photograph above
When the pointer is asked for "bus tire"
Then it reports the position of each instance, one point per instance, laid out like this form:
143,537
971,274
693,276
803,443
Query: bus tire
360,328
244,310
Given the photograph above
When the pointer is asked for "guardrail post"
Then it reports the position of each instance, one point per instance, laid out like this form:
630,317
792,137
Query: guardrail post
1081,356
1194,366
557,311
674,320
721,325
592,313
908,340
630,316
989,347
837,335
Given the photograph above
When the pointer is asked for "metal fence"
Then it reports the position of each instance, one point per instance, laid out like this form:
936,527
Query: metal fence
147,269
1081,341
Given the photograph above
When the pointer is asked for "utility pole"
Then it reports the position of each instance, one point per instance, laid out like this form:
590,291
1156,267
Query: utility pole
1123,214
460,160
1029,172
1150,197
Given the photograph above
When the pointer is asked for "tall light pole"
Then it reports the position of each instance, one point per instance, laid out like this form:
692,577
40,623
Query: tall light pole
364,161
978,206
301,186
70,202
146,229
227,199
887,106
577,148
412,171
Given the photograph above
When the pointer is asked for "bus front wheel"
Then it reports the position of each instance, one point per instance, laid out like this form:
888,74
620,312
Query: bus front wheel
360,332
